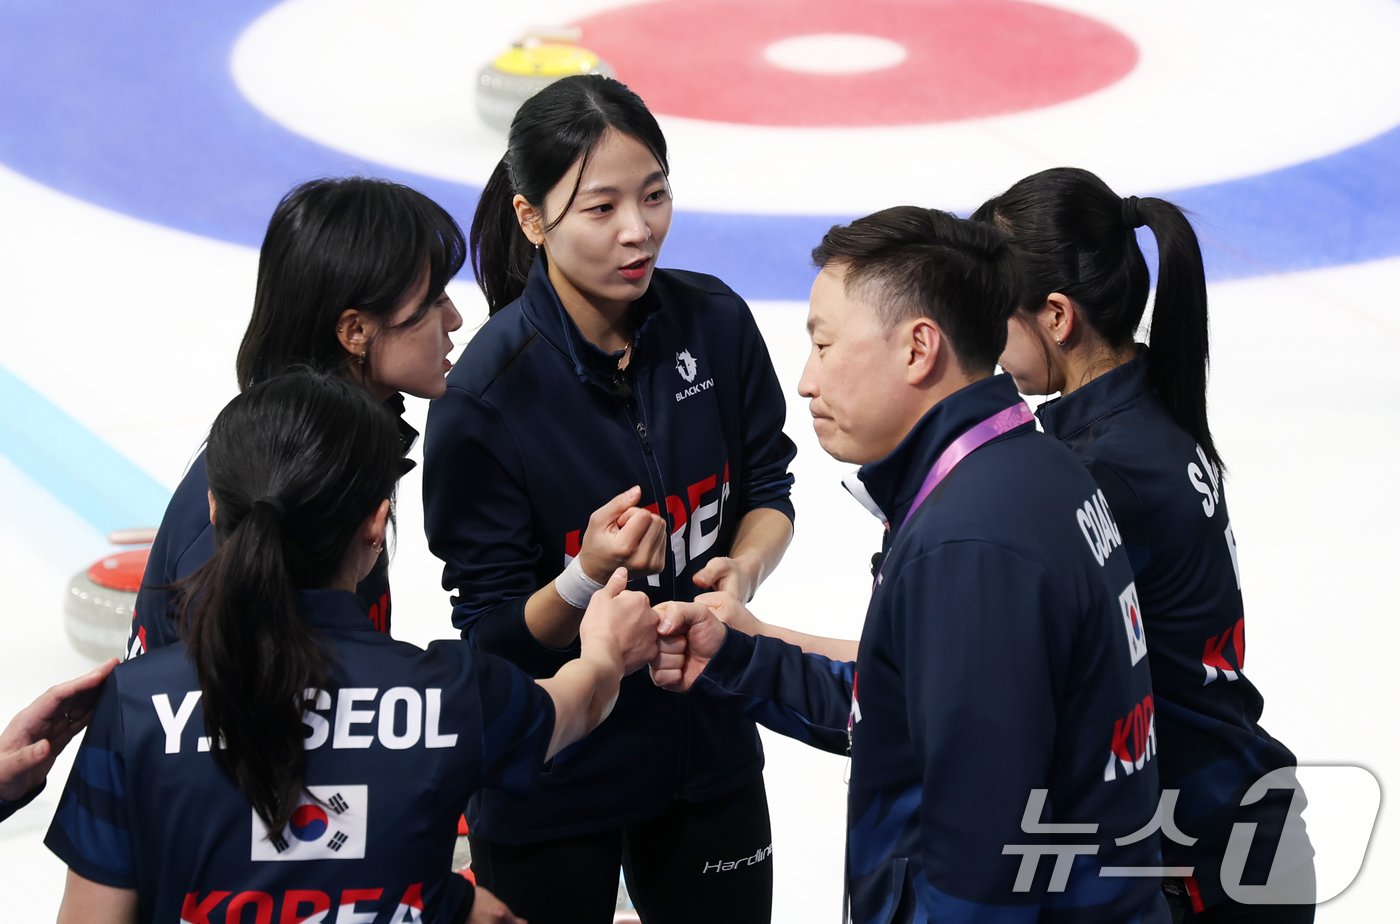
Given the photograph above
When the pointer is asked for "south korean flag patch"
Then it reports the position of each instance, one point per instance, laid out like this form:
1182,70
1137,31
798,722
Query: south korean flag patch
330,826
1132,622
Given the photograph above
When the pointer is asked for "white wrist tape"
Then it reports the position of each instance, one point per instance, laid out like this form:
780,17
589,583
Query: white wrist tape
575,587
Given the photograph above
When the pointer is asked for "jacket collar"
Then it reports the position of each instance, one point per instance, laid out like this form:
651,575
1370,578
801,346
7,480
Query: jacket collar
541,306
334,609
890,484
1063,417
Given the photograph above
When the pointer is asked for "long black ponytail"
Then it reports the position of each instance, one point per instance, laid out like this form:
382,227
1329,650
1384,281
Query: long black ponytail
1077,237
296,465
554,129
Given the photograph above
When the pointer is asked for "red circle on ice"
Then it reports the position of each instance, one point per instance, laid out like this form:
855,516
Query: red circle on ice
962,59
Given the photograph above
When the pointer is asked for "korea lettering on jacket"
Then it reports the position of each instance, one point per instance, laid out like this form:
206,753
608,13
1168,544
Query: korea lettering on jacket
694,516
1169,502
395,744
538,428
1001,656
346,906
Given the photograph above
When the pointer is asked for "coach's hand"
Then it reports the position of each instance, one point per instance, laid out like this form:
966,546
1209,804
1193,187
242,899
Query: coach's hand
690,635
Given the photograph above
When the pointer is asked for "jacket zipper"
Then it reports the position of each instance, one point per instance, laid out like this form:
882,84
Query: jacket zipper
637,417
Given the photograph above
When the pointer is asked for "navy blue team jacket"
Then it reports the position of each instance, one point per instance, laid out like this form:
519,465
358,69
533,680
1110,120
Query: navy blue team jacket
1001,654
1170,504
9,808
393,749
185,540
536,431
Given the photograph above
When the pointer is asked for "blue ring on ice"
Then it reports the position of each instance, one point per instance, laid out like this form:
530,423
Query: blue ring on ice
131,106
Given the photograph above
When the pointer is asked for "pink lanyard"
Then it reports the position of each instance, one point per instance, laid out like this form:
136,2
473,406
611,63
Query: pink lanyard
979,435
972,439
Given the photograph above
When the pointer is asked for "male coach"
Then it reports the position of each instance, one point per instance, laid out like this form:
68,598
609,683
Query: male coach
998,714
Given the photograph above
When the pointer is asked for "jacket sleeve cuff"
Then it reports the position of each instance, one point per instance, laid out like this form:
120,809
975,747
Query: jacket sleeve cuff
502,630
781,504
726,669
9,808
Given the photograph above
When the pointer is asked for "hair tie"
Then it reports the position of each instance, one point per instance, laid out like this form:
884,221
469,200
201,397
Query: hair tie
279,510
1131,218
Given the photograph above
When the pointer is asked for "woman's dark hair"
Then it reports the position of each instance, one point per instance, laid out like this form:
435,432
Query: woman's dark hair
557,127
334,244
1077,237
296,465
910,262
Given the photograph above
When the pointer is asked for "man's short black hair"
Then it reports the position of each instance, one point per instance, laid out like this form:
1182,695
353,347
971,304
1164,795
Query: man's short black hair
911,262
